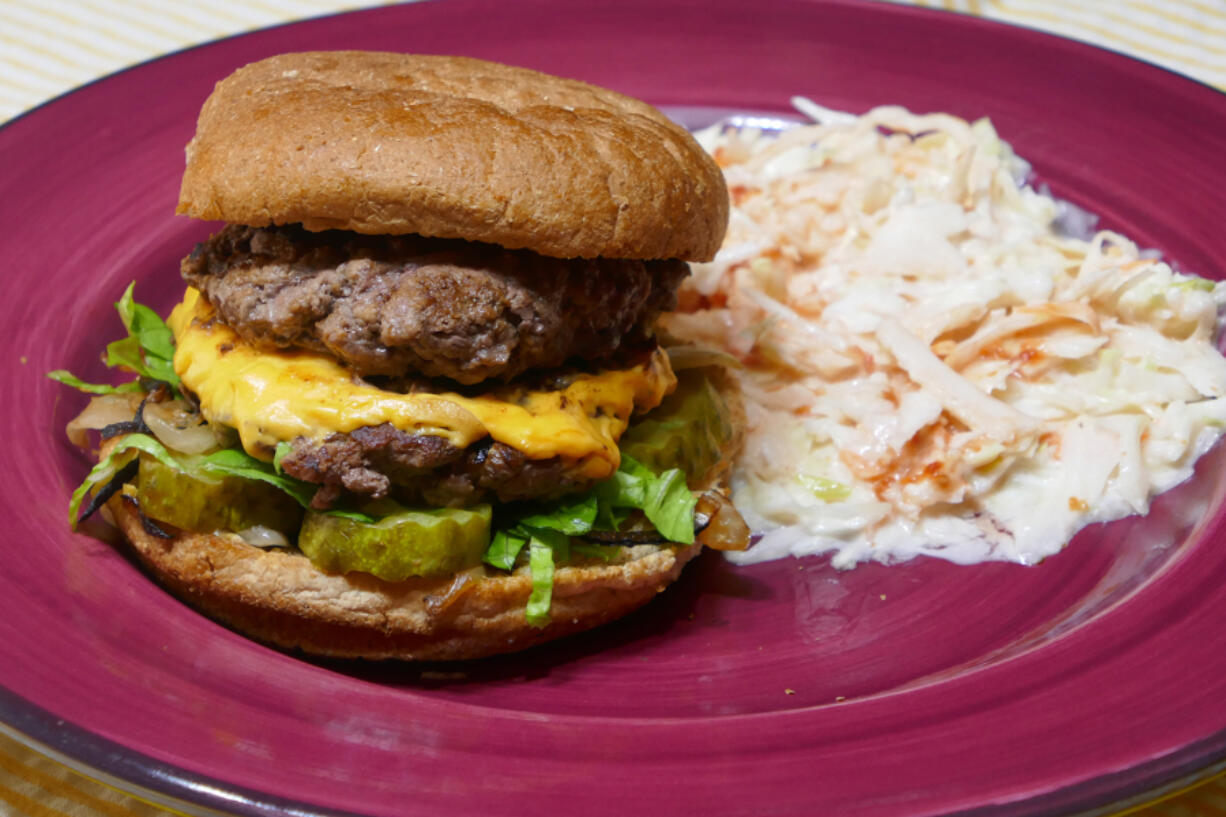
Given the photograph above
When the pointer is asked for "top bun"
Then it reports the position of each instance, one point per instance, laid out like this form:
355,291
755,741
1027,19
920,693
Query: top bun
452,147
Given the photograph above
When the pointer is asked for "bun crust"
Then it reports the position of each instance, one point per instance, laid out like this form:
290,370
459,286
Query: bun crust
452,147
280,598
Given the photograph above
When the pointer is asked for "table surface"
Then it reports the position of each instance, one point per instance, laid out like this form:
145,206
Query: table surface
49,47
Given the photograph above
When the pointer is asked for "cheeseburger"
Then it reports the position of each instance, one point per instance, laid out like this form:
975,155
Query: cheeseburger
412,404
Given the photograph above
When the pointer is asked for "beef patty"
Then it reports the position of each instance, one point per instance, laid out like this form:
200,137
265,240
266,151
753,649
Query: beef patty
387,305
379,461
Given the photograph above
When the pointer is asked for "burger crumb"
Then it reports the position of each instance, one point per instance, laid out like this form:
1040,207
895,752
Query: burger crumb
839,699
789,692
883,596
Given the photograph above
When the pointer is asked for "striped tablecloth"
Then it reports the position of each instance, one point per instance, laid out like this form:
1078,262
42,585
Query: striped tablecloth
48,47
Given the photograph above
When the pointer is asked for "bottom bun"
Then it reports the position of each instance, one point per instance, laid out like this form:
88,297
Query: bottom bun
279,597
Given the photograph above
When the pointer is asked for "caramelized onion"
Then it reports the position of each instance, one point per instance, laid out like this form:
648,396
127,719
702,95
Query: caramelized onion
114,485
180,428
627,538
460,586
102,411
262,537
719,523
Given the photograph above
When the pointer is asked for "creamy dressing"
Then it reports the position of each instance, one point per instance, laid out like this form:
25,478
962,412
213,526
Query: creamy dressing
932,363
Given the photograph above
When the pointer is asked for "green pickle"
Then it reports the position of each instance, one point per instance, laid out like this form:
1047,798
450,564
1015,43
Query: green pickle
406,543
195,501
687,431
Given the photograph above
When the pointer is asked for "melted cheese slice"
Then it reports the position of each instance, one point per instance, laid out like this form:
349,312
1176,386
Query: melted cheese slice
278,396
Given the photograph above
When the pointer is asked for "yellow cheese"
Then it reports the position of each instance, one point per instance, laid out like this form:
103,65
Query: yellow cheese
276,396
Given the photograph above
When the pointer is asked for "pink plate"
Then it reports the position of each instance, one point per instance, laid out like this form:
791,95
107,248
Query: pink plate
786,688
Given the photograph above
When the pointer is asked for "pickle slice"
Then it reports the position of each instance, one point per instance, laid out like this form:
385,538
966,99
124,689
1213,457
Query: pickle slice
430,542
194,501
688,430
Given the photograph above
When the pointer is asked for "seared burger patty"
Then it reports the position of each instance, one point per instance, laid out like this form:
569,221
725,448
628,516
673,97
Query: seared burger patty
382,460
385,305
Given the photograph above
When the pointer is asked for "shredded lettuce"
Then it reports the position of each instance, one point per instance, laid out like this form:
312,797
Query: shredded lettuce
148,350
71,380
231,462
116,459
235,462
574,517
504,549
280,453
664,499
670,506
541,562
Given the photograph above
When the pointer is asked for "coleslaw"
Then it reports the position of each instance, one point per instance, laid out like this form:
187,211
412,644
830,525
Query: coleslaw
937,358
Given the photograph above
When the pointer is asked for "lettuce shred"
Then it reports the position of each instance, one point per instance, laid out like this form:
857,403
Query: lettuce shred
120,455
664,499
148,351
71,380
231,462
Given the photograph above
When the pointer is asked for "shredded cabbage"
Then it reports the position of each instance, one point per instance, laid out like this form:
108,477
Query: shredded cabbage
938,358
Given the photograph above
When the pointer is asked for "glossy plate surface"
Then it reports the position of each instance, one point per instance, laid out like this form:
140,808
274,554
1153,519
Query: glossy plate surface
785,688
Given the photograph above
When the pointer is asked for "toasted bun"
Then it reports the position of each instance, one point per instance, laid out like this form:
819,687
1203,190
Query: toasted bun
452,147
280,598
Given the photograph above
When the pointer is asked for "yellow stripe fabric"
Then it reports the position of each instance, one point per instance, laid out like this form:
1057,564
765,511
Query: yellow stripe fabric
51,46
1187,36
24,805
1123,31
1202,799
35,786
